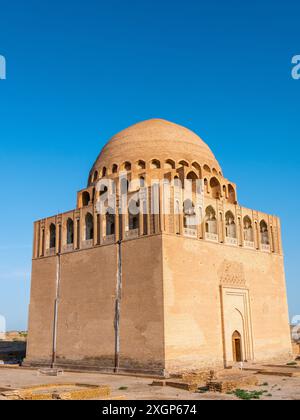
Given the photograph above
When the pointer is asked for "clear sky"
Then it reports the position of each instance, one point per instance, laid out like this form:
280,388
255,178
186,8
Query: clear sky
80,71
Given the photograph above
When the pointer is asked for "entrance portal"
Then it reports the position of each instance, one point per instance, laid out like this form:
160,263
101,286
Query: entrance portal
237,347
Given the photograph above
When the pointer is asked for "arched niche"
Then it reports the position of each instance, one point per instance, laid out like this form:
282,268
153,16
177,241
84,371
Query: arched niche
230,226
231,194
215,188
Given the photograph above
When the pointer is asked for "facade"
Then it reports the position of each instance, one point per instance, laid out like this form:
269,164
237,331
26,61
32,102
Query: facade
181,284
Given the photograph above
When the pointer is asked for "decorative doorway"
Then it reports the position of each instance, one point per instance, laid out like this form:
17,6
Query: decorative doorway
237,347
236,322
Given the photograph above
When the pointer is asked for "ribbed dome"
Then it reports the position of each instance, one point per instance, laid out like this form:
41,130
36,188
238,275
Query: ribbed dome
155,139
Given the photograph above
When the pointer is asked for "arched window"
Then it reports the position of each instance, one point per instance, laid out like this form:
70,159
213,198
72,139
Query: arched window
126,166
110,222
104,171
231,194
210,221
169,164
230,226
192,177
189,218
141,164
183,163
248,230
215,188
215,171
155,164
89,227
85,198
70,231
206,168
52,236
196,166
264,234
133,215
114,168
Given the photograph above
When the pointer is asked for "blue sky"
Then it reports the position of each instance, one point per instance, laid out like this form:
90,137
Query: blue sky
80,71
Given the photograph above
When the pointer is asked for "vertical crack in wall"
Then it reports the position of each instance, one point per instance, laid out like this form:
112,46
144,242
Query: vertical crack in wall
56,302
118,306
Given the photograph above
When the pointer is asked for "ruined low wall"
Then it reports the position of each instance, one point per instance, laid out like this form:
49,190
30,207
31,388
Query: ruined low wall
12,350
296,349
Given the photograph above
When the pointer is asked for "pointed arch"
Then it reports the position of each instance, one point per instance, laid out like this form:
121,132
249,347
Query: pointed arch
230,226
264,233
237,347
183,163
169,164
231,194
155,164
110,222
210,221
248,229
197,167
141,164
126,166
89,227
52,236
70,231
215,188
133,214
189,214
193,177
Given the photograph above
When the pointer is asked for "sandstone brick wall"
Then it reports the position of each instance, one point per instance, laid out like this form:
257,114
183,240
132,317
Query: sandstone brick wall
86,310
194,274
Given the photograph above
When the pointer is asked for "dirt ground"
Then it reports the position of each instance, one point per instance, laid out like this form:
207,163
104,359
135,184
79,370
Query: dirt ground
138,388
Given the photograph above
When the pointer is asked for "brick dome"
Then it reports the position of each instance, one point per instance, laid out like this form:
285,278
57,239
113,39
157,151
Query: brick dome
155,139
